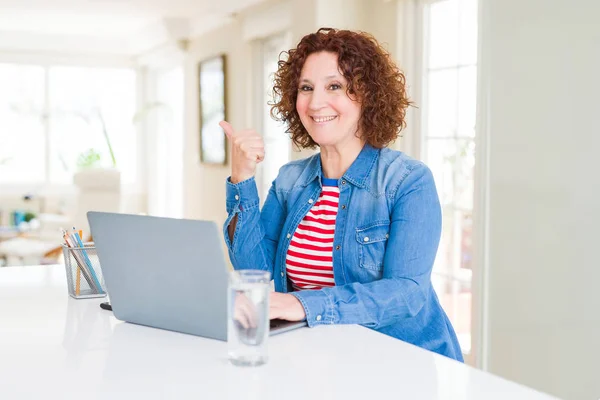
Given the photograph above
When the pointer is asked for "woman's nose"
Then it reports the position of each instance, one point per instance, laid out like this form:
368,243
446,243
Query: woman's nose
317,99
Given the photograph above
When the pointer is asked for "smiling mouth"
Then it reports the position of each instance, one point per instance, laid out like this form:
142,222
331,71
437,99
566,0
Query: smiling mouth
320,120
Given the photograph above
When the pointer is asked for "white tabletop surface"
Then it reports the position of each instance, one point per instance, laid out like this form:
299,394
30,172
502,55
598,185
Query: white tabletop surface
56,347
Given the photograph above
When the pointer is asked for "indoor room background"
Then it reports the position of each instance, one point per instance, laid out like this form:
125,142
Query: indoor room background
114,106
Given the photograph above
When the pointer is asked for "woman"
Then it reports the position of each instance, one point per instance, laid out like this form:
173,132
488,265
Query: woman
349,234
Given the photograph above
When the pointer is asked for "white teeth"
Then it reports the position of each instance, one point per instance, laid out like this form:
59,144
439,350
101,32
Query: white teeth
323,119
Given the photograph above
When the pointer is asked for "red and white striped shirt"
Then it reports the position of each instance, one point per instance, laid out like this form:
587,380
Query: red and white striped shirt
309,259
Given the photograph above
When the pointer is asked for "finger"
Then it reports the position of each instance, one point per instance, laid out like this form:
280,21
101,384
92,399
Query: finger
249,311
227,128
239,314
249,152
252,317
254,137
256,153
248,143
249,133
252,156
247,322
240,317
255,144
245,311
243,317
243,321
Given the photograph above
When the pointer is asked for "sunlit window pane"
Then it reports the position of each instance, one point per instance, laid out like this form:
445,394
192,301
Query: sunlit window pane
22,138
454,258
467,95
213,97
467,32
463,167
441,103
277,142
443,34
86,104
440,155
455,298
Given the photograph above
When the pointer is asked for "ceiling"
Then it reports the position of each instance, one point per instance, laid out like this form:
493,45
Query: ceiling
45,20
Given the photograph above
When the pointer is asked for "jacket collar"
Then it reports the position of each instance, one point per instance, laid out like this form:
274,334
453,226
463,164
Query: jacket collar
357,174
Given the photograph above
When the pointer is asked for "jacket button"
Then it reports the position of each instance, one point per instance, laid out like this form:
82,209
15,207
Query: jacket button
338,247
343,182
343,207
288,236
310,201
282,274
318,318
237,197
366,239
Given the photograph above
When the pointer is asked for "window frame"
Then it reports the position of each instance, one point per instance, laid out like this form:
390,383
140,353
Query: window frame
46,61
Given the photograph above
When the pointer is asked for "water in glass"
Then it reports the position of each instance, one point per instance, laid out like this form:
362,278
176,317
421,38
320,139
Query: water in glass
248,317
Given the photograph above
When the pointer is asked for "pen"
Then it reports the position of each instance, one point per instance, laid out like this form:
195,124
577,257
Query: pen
87,260
78,279
80,262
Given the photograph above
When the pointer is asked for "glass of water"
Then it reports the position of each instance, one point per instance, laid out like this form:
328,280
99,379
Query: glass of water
248,317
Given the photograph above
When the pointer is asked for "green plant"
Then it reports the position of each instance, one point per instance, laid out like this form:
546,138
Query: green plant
89,159
29,216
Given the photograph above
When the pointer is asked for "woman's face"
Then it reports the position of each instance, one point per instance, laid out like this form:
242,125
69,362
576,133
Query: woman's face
326,111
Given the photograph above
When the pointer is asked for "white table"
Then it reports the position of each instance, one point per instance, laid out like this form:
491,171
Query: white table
55,347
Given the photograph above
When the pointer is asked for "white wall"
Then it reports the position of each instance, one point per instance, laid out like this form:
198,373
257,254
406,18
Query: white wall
204,185
544,135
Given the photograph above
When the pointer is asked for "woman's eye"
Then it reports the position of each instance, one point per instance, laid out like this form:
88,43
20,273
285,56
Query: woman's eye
305,88
335,86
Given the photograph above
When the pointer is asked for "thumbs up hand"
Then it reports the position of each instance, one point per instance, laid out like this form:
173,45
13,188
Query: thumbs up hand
247,150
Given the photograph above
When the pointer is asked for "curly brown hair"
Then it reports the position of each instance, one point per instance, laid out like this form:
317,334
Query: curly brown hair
372,76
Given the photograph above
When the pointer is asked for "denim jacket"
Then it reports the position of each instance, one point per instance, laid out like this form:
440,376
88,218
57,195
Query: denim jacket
387,233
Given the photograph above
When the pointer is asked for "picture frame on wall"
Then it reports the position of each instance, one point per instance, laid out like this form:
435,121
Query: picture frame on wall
212,89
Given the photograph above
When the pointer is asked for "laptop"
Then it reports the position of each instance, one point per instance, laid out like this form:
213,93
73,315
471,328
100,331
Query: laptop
166,273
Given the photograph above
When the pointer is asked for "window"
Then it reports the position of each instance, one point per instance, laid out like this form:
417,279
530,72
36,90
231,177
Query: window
22,132
277,142
165,127
54,119
448,146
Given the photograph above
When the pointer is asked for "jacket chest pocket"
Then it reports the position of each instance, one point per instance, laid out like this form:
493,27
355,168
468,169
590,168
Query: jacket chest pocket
372,239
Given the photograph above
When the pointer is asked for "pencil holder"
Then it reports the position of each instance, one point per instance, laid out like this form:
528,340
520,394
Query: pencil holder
84,275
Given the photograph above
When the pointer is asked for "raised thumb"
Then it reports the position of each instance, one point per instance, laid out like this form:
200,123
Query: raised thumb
227,128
